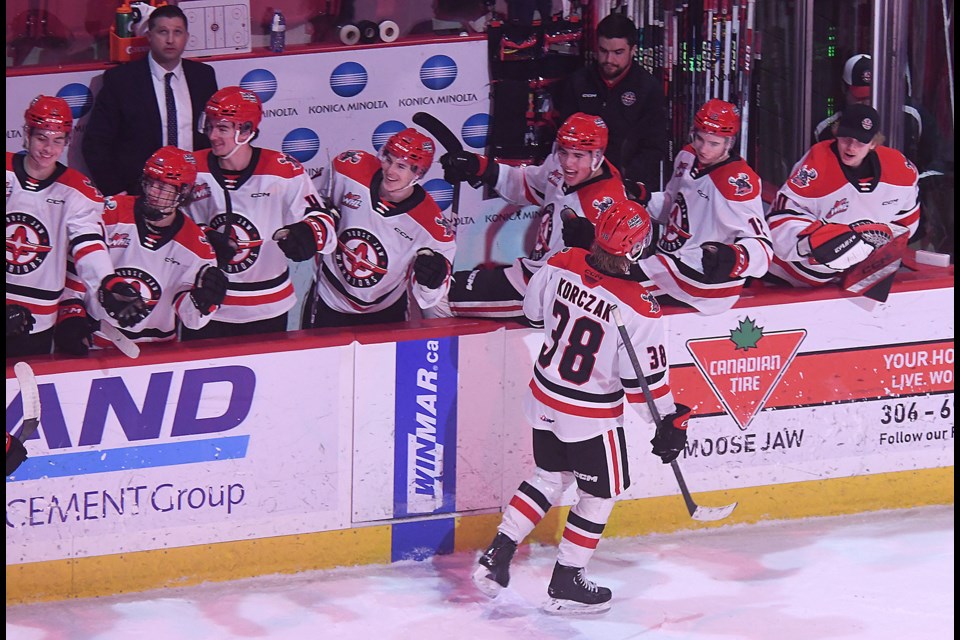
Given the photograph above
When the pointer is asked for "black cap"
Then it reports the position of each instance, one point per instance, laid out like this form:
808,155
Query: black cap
859,121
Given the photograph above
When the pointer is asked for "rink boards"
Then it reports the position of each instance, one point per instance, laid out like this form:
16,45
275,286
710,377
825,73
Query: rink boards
319,449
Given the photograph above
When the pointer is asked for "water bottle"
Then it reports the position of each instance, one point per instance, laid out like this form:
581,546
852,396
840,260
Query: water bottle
124,21
278,33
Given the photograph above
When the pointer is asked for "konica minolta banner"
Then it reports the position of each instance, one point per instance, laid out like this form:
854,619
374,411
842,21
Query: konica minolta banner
425,448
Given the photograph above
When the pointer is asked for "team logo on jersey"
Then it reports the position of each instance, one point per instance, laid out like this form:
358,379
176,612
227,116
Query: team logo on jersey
804,176
351,200
245,234
651,299
602,204
555,178
118,241
361,257
28,243
681,169
544,233
145,284
741,184
628,98
744,368
201,191
449,226
678,228
353,157
838,207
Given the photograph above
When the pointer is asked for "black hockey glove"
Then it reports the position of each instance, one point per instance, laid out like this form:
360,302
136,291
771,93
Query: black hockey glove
463,166
430,268
121,301
16,453
20,320
671,435
723,262
302,240
636,191
840,246
578,232
210,289
223,245
74,328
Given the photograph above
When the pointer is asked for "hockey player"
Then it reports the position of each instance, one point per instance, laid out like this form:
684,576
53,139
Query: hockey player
162,252
714,235
576,404
573,186
259,209
391,235
53,216
844,199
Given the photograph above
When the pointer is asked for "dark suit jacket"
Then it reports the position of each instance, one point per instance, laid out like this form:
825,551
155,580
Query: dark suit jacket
124,128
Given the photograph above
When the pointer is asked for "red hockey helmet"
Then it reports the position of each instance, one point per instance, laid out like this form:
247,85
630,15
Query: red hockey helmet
583,132
233,104
49,113
412,146
173,166
719,118
624,230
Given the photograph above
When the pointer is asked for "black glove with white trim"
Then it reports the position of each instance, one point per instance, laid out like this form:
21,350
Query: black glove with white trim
121,301
722,262
210,289
20,320
430,268
74,329
671,435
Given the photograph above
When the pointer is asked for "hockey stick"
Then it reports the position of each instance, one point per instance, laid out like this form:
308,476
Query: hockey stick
30,396
126,346
449,142
703,514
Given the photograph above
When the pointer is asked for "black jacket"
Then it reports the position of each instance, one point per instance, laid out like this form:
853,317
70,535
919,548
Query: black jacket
635,112
124,128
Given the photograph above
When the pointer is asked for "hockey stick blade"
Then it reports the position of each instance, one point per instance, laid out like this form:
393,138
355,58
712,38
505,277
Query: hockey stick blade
126,346
703,514
30,395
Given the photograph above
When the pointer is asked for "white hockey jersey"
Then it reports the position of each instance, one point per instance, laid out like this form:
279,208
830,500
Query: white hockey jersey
163,267
721,203
272,192
820,187
583,372
48,222
378,241
543,185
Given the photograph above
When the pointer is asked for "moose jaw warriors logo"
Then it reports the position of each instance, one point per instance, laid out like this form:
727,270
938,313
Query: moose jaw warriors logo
741,184
744,368
28,243
804,176
676,234
145,284
245,234
361,258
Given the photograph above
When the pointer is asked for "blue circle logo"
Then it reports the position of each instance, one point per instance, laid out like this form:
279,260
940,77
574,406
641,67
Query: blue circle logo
383,132
474,130
438,72
348,79
261,82
79,98
441,191
301,144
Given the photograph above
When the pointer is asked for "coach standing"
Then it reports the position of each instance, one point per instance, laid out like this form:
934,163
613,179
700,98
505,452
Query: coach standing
147,104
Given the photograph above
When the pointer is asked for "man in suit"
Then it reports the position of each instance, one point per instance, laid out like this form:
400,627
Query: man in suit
147,104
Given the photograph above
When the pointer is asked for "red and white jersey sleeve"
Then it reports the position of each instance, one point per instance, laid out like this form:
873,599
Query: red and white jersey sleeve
818,189
378,241
48,223
719,204
272,192
583,373
163,268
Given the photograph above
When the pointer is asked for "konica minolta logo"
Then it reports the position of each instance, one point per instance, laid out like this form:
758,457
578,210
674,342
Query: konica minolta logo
79,98
302,144
474,130
441,191
261,82
438,72
384,130
348,79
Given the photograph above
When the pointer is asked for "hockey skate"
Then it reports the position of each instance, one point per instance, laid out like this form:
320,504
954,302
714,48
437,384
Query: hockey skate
572,594
493,574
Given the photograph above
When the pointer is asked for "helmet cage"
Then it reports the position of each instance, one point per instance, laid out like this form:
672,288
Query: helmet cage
168,179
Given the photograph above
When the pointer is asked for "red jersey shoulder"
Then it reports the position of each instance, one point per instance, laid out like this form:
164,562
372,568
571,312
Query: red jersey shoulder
10,161
736,181
277,163
818,173
203,160
895,168
192,237
118,210
80,183
428,215
597,197
356,165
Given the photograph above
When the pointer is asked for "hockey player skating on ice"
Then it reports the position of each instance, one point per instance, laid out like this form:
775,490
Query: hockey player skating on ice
844,199
162,251
391,236
254,235
714,235
573,187
54,215
576,403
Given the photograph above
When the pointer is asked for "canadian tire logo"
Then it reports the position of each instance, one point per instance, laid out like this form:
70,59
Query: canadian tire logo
745,367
